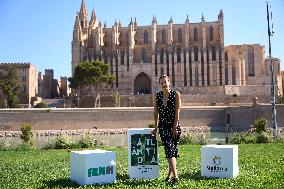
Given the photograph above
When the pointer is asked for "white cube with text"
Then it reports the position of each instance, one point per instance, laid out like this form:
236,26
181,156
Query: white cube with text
93,167
142,154
219,161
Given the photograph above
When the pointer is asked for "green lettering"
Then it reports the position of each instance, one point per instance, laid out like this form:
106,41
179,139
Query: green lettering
90,172
109,170
102,170
95,172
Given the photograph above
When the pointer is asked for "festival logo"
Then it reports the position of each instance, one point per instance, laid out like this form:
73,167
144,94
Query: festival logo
143,150
216,165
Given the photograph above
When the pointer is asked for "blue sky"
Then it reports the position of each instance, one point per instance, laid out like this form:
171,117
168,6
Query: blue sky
40,31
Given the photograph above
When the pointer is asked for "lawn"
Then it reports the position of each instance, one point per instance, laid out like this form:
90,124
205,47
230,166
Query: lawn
261,166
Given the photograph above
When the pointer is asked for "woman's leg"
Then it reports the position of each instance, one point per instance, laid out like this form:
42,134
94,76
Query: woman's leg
170,169
172,166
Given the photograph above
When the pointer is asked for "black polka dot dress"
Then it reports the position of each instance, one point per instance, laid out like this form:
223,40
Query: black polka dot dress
166,123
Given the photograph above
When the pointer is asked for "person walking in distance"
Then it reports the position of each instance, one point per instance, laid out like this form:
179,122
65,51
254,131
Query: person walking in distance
166,119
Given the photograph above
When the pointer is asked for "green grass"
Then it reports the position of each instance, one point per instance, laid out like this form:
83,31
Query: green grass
261,166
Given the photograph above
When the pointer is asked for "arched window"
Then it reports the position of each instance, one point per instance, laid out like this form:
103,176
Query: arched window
162,56
143,55
145,37
179,35
211,33
226,69
162,71
164,36
127,38
178,55
24,88
226,56
250,61
195,54
195,34
213,50
234,74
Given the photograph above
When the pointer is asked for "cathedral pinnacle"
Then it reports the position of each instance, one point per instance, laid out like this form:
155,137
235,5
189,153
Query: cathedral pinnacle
93,16
83,10
202,18
171,20
220,16
187,19
154,20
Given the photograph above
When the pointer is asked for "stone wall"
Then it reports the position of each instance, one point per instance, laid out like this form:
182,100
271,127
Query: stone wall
146,100
115,118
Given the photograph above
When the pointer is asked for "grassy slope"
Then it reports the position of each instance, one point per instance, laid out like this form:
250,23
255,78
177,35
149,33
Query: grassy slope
261,166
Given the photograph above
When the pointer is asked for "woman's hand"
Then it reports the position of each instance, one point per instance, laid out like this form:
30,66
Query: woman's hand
174,131
154,132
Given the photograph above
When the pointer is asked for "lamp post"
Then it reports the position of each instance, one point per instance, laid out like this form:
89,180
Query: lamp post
77,96
270,33
63,101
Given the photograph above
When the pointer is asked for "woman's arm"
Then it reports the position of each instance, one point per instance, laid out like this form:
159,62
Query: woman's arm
155,115
177,110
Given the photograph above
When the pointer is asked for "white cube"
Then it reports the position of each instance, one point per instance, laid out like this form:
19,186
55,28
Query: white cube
219,161
93,167
142,154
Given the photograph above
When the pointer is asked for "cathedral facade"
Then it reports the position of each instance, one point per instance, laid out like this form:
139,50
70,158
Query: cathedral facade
191,54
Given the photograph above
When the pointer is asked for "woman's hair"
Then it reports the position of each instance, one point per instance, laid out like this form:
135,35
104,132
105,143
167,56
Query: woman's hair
164,76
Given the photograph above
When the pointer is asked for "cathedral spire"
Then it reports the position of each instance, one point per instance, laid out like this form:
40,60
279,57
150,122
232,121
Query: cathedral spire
93,16
202,18
187,19
83,10
83,14
77,32
93,21
171,20
154,19
220,16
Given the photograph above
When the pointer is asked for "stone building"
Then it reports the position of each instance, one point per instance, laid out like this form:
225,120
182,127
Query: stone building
50,88
277,74
63,88
192,54
28,75
48,85
247,69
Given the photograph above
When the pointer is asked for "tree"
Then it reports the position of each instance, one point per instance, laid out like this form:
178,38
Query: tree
10,85
91,75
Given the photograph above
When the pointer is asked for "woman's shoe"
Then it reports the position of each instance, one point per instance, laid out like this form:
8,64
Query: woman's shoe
167,180
175,182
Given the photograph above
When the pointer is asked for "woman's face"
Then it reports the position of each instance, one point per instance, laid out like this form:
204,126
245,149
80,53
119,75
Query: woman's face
165,83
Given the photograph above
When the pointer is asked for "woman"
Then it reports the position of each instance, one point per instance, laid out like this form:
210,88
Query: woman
167,108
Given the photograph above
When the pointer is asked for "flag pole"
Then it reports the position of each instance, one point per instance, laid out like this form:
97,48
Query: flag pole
274,123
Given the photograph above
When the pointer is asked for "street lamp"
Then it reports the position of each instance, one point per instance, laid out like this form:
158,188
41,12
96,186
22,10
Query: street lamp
270,33
77,96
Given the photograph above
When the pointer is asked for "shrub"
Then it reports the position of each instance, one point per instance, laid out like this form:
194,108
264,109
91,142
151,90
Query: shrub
202,138
243,138
234,95
186,138
48,146
279,138
260,125
4,145
263,137
27,134
151,125
23,147
63,142
41,105
87,141
280,100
